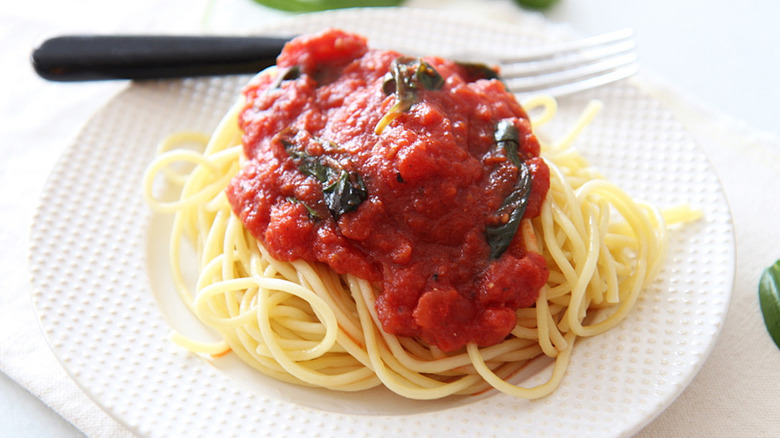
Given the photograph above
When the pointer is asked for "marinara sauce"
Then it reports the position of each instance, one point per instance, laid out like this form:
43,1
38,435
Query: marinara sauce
393,169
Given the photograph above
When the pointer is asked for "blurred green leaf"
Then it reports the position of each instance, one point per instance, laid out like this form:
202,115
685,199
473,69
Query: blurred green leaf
535,4
321,5
769,298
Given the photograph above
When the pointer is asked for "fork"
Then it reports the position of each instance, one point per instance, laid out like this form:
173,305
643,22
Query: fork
572,66
558,69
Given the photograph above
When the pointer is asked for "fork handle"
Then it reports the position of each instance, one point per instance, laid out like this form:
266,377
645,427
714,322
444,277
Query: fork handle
102,57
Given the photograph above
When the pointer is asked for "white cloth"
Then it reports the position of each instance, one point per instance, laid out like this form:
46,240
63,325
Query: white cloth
734,394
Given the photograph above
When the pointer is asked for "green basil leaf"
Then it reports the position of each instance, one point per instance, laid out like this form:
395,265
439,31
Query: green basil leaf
388,84
312,212
285,74
478,70
342,191
507,137
307,164
407,75
769,298
499,237
428,76
345,194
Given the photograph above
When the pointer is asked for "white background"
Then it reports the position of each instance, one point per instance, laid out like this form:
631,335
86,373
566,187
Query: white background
723,54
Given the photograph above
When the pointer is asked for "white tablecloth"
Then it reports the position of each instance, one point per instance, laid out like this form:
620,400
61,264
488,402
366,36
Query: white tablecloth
736,393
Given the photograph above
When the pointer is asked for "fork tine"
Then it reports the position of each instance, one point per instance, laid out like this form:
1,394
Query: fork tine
573,66
581,84
574,73
565,67
568,61
557,50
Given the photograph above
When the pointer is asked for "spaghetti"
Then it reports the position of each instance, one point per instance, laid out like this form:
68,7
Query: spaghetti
301,322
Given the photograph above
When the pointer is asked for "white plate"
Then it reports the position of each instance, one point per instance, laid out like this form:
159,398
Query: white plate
105,304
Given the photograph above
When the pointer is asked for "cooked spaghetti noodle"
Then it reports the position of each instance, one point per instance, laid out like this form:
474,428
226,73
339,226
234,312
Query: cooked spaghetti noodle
302,323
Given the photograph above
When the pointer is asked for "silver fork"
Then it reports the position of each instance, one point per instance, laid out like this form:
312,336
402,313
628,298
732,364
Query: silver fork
557,69
572,66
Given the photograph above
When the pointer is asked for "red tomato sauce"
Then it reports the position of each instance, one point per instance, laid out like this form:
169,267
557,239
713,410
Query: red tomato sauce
434,180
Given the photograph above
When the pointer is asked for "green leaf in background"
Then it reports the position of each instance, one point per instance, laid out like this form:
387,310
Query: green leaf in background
321,5
769,298
535,4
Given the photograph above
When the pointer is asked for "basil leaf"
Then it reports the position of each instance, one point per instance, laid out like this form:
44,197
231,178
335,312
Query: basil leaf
307,164
769,298
410,74
312,212
427,76
478,70
407,75
507,137
388,84
499,237
342,191
345,194
285,74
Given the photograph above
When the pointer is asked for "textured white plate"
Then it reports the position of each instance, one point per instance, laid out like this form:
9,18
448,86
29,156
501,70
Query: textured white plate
105,304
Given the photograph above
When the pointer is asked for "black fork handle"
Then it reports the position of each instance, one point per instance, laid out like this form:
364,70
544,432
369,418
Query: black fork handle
105,57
